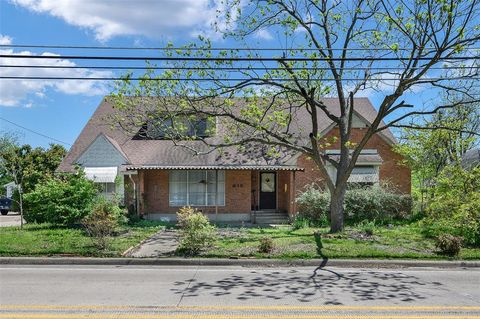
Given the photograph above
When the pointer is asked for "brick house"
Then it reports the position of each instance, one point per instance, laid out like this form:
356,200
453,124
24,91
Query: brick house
156,178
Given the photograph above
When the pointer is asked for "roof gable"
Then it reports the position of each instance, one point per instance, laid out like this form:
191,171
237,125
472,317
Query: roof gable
102,152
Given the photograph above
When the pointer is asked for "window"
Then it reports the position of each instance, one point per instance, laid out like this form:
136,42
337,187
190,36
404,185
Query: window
107,190
196,188
170,127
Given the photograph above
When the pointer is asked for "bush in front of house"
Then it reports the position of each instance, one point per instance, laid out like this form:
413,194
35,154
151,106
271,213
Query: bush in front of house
266,245
63,200
313,206
196,232
372,203
376,203
102,221
448,244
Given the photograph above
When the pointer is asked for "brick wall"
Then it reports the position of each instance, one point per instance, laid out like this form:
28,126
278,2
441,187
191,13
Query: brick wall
391,170
237,193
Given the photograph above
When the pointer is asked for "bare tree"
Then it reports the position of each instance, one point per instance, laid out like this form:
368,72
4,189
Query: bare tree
332,48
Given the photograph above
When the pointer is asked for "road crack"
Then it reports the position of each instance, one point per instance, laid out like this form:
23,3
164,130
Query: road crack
188,286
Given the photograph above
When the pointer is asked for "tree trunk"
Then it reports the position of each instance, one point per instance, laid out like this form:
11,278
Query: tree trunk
20,204
336,209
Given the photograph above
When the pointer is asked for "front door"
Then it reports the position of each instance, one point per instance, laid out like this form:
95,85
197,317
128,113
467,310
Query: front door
268,187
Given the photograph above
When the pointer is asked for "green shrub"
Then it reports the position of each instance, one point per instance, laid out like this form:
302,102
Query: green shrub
449,245
300,222
62,200
196,233
367,227
266,245
455,205
372,203
103,220
313,205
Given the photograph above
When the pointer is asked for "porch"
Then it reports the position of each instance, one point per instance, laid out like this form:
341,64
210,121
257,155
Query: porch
225,194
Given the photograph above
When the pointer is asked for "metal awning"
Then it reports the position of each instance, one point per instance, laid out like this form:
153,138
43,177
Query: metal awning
219,167
363,178
101,174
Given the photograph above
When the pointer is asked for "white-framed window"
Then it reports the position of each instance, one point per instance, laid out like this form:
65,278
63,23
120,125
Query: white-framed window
196,188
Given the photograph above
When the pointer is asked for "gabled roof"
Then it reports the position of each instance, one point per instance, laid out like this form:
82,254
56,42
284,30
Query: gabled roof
155,153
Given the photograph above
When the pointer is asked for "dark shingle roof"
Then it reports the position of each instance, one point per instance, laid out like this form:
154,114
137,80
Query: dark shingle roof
164,153
471,158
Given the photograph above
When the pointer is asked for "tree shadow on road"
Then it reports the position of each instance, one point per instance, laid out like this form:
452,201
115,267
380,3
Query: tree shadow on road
323,286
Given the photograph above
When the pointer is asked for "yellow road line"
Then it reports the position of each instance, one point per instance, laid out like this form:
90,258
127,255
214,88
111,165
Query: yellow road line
286,307
196,316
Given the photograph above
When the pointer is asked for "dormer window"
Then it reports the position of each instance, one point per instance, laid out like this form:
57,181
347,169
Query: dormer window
177,127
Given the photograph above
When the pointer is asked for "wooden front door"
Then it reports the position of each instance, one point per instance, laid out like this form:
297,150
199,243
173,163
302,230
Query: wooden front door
268,190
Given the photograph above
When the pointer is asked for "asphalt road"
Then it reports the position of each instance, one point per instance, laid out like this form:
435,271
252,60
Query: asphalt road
235,292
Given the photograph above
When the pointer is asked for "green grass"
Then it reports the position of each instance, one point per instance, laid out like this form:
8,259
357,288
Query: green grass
399,241
48,240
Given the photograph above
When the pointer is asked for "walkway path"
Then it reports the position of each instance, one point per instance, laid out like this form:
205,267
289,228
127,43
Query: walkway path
161,244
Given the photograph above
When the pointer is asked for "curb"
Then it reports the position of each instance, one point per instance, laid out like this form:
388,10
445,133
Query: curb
346,263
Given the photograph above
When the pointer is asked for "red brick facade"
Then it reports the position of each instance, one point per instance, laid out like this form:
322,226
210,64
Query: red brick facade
242,186
391,170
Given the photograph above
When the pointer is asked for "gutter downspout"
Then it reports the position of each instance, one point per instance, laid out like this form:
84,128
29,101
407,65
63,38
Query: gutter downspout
135,197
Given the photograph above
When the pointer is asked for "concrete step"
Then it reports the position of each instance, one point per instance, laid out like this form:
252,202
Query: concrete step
272,215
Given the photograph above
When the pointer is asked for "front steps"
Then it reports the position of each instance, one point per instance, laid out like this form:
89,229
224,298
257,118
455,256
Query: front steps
269,217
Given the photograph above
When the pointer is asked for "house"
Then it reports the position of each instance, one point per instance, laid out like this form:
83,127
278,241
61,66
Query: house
156,177
9,189
471,158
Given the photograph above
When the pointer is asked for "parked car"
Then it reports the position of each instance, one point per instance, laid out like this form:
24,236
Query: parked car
5,205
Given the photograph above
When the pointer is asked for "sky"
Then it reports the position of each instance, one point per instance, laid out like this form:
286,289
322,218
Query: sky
60,109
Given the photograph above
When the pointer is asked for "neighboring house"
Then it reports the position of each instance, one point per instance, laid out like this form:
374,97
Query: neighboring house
157,177
9,189
471,158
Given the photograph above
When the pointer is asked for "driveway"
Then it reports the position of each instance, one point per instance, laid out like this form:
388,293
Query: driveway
12,219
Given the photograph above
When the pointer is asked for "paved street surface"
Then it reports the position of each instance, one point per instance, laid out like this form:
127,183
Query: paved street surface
235,292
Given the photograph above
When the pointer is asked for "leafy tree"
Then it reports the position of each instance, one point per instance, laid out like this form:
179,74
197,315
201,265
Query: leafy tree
333,48
12,166
428,152
455,209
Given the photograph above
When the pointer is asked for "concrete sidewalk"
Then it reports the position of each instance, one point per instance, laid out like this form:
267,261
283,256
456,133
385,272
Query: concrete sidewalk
162,243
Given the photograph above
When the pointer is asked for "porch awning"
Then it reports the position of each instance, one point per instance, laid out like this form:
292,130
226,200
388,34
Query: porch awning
219,167
101,174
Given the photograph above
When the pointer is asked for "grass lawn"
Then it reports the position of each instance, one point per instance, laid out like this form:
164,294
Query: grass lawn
46,240
404,241
399,241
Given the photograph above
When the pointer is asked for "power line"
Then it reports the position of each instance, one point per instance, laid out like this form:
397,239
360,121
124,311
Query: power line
34,132
217,59
214,79
198,48
93,67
